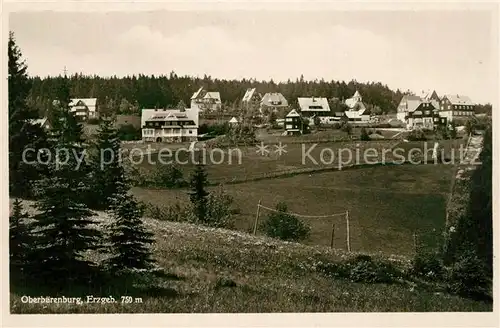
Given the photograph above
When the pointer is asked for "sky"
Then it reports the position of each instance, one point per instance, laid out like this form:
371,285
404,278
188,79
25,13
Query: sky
447,51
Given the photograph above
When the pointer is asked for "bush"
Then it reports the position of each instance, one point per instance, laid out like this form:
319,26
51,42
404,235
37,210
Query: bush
169,176
468,277
417,135
174,213
219,209
363,269
128,132
364,135
428,265
214,129
337,126
285,226
93,121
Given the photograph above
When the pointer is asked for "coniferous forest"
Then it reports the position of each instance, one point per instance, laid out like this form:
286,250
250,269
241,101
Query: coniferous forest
127,94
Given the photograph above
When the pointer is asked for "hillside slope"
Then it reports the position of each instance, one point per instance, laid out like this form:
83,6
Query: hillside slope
216,270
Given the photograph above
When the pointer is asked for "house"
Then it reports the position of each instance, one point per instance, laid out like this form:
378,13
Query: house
122,120
170,125
407,104
356,109
272,101
431,96
84,108
313,106
43,122
251,98
293,123
233,121
456,107
206,101
425,116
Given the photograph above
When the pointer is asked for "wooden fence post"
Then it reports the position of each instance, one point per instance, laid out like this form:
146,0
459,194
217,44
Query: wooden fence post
348,232
257,217
415,244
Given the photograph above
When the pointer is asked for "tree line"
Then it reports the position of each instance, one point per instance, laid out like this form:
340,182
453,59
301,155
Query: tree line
129,94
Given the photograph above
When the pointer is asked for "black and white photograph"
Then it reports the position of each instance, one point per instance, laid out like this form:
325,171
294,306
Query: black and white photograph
237,161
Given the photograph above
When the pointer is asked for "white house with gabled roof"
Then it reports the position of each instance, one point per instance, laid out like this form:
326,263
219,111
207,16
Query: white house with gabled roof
84,108
356,109
312,106
170,125
206,101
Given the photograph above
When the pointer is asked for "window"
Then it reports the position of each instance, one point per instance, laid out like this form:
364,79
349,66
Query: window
190,132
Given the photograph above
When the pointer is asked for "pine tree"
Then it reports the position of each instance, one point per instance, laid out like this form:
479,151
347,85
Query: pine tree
108,175
198,195
64,231
20,239
129,240
23,134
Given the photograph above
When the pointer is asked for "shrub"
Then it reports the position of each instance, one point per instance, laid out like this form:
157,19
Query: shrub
416,135
93,121
427,265
364,135
169,176
363,269
128,132
337,125
347,128
174,213
219,210
468,277
285,226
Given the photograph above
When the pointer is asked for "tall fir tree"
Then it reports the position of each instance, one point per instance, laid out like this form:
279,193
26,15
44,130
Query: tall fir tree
20,242
24,134
129,240
108,175
198,194
64,222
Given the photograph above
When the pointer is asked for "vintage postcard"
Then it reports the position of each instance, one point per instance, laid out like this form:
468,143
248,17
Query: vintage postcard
301,160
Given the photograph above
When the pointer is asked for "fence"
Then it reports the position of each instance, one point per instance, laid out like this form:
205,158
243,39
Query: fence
342,214
342,231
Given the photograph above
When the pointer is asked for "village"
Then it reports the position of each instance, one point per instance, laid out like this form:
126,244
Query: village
426,111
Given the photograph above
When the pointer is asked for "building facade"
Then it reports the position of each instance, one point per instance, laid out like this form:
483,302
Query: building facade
170,125
313,106
273,102
425,116
456,107
206,101
84,108
293,123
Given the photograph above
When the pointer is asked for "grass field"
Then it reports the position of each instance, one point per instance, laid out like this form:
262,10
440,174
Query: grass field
220,271
244,162
386,204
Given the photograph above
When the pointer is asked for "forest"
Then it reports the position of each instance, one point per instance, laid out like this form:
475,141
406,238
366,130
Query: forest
129,94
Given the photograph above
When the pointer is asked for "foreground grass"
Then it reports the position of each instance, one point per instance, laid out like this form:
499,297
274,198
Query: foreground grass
213,270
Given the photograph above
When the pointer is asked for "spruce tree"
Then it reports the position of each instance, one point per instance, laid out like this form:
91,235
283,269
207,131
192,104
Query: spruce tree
129,239
108,175
64,231
20,240
198,195
23,133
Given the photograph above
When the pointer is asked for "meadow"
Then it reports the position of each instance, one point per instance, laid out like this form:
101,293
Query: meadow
387,205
